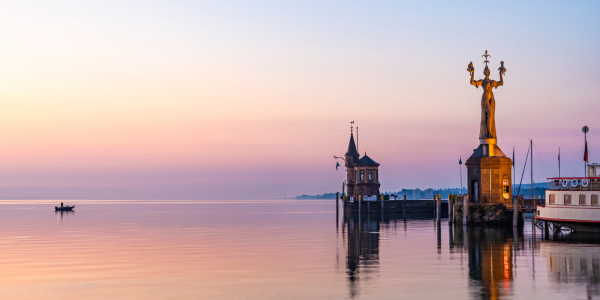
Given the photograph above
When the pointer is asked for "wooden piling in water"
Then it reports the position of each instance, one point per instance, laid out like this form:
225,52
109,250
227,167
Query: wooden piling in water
439,208
465,209
337,203
450,205
515,211
359,204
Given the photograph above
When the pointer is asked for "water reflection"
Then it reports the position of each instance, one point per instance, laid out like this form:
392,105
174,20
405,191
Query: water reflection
362,260
490,259
362,235
62,214
575,259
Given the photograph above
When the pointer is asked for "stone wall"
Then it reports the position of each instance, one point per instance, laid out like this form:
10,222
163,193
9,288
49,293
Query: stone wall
482,213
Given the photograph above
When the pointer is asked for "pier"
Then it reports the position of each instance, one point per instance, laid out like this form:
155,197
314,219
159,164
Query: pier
451,208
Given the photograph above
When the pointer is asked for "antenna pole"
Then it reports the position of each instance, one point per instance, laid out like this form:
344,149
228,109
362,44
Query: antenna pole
558,162
531,145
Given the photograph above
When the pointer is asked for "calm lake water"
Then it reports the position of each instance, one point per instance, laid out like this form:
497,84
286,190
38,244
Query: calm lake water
278,249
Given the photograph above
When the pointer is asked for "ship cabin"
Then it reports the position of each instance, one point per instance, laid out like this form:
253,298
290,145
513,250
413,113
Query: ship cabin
575,191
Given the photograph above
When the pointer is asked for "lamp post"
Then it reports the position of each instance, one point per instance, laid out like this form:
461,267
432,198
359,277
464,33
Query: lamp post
460,170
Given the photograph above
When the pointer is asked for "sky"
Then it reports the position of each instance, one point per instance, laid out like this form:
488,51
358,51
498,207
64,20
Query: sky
252,99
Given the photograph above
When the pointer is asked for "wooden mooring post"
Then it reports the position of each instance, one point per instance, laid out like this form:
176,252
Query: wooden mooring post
465,209
450,205
439,208
515,211
404,206
359,204
337,203
434,205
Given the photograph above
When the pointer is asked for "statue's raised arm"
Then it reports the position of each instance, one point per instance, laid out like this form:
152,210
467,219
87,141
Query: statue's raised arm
502,70
472,71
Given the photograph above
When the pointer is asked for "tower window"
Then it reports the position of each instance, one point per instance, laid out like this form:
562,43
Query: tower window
362,175
370,175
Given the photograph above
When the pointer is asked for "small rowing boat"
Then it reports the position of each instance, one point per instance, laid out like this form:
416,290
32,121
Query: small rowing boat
64,208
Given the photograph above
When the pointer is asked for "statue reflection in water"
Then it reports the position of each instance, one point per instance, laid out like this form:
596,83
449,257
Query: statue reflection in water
490,259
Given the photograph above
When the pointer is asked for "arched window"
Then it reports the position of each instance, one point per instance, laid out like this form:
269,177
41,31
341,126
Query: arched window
582,199
567,199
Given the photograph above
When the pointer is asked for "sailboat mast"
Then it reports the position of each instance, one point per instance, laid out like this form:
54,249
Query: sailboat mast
531,145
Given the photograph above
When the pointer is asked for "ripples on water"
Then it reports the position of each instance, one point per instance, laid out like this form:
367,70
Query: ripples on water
277,250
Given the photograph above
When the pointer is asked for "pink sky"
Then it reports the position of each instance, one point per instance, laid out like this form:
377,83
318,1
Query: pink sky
231,101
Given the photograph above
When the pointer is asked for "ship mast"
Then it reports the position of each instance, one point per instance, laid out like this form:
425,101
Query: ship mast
531,146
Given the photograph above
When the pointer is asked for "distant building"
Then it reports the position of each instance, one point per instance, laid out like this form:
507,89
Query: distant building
428,193
417,194
362,173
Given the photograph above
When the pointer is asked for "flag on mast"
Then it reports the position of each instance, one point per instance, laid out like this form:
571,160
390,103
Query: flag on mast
460,161
337,164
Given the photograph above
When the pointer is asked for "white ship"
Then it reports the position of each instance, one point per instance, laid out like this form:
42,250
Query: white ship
573,201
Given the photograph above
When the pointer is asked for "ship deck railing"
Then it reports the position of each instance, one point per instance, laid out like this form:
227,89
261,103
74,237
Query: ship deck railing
573,183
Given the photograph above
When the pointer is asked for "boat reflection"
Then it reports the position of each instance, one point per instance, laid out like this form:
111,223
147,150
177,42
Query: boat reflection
61,213
575,259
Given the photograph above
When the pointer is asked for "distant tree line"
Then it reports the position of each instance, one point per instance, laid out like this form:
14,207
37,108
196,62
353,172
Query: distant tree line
323,196
428,193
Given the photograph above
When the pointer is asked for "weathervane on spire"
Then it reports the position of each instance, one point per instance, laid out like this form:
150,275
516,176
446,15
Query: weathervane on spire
351,126
486,61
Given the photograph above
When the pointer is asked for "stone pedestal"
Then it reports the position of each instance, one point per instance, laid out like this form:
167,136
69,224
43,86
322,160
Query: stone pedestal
489,176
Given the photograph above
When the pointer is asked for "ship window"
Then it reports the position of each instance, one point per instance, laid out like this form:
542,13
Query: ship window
582,199
370,175
362,175
594,199
567,199
552,199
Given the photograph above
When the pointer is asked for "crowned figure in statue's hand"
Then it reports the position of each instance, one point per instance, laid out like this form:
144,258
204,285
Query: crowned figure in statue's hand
487,128
502,69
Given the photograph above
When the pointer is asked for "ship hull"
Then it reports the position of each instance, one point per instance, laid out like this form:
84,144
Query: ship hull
576,217
576,225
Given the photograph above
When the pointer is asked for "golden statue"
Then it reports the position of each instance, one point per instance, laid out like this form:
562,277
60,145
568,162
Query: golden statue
487,129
